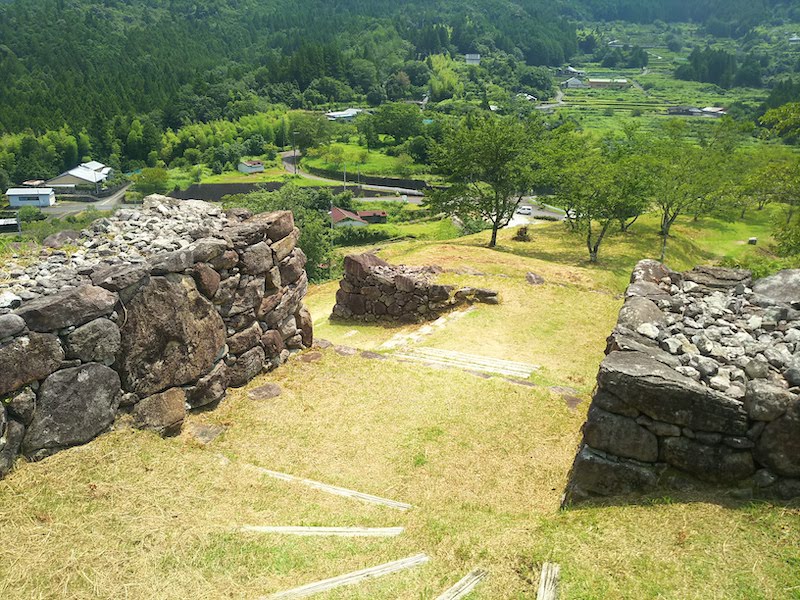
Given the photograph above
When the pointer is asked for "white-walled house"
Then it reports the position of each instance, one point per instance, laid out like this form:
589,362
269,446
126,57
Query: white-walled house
18,197
251,166
88,173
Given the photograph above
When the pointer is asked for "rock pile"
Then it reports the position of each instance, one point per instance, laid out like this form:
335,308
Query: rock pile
373,290
700,385
159,311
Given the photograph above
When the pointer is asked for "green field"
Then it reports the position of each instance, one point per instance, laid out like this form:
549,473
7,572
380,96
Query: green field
358,159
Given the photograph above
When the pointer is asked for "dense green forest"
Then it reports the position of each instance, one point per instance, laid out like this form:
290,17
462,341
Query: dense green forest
118,80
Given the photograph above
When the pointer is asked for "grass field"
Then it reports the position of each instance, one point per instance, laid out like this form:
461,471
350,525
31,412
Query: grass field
359,159
482,461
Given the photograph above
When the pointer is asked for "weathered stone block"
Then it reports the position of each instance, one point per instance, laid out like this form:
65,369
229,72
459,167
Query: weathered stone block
248,366
778,447
283,248
210,388
206,279
620,436
73,406
257,259
594,475
97,341
68,309
244,340
358,266
171,336
163,413
663,394
718,463
766,402
27,359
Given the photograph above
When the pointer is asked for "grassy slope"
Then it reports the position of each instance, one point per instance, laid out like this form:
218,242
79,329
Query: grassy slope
483,461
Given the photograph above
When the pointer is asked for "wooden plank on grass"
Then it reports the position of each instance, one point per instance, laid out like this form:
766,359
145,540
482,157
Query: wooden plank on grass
465,586
336,490
351,578
326,531
548,582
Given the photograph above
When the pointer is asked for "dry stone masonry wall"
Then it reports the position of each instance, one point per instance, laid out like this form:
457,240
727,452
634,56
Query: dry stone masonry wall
152,312
373,290
700,387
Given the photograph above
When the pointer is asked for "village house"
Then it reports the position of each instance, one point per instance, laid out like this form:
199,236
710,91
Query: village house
605,83
573,83
571,72
527,97
714,111
345,218
473,59
18,197
684,111
251,166
88,173
344,115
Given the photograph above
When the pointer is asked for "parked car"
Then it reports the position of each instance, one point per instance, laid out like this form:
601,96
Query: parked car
525,210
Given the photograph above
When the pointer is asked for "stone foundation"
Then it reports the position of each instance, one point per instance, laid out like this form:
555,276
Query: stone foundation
699,388
373,290
153,312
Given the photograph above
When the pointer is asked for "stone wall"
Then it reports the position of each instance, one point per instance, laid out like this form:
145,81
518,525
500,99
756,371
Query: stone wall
148,314
698,388
373,290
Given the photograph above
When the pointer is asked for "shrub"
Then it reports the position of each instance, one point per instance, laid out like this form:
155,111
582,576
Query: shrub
522,234
358,236
29,214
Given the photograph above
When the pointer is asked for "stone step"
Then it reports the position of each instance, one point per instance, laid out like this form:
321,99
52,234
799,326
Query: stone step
333,489
325,531
467,362
475,359
464,587
353,578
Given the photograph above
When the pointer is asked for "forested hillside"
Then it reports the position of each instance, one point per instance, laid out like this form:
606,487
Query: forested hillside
118,79
84,62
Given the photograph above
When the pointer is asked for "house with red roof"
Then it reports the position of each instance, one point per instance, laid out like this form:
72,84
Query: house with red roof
345,218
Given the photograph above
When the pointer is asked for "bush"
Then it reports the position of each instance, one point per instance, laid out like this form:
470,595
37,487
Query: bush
152,180
522,234
762,263
29,214
358,236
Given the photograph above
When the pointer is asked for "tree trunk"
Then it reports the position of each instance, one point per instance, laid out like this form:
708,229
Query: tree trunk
624,226
663,246
493,241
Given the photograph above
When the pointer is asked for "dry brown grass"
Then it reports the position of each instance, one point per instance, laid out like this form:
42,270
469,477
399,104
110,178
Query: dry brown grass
483,462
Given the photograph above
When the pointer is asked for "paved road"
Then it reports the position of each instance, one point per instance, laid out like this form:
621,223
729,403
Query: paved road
558,101
540,212
63,209
287,159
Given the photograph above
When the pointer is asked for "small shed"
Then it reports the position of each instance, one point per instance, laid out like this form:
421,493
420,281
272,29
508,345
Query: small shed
251,166
373,216
18,197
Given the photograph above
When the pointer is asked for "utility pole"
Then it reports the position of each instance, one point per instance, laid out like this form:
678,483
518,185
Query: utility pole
294,151
344,179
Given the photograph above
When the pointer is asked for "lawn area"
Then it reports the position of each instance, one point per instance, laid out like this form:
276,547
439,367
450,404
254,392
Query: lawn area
359,159
482,461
